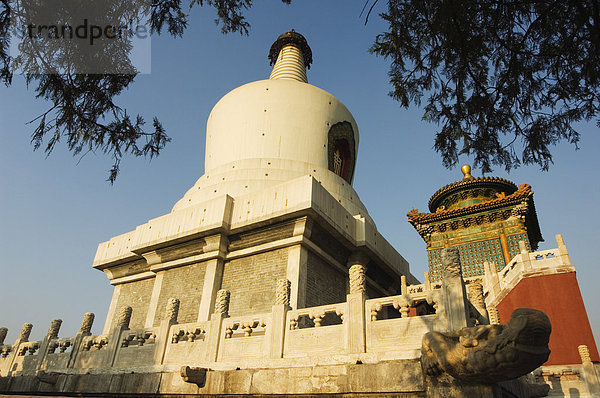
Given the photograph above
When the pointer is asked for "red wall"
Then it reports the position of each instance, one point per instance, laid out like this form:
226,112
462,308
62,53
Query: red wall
558,295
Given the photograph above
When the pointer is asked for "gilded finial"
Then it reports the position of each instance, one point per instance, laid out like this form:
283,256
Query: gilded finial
466,170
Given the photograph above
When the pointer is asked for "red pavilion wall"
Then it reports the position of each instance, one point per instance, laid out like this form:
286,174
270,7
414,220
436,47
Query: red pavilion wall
558,295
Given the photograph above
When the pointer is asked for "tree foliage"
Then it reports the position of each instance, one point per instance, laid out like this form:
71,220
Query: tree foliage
83,109
505,79
499,76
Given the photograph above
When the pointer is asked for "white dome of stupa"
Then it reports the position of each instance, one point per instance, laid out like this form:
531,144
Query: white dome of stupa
271,131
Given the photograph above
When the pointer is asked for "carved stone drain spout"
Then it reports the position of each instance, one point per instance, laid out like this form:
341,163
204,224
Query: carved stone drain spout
489,353
194,375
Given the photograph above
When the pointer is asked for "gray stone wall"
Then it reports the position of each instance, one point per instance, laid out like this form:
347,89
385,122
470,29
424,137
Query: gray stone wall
262,235
329,244
324,283
137,296
183,283
252,281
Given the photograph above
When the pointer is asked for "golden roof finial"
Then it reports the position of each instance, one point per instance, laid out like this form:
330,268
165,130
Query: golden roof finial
466,170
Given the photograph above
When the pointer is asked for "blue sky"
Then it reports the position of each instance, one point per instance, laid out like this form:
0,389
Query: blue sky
56,210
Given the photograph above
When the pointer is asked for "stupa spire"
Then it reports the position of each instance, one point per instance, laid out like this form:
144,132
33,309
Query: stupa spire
291,55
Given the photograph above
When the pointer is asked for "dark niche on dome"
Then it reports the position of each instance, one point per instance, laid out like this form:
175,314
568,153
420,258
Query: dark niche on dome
341,150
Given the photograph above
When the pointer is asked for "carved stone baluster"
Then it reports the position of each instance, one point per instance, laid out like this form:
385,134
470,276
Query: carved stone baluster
176,336
432,299
247,328
5,350
52,347
375,310
339,313
403,304
293,323
317,318
64,345
141,339
33,348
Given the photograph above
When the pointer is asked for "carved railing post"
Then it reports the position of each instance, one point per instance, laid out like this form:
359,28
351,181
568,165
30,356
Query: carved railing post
358,280
584,353
4,350
282,292
125,317
492,280
23,338
475,295
276,333
3,332
403,285
355,319
494,315
25,332
86,324
54,328
453,289
84,330
426,281
172,310
222,303
45,346
216,324
562,250
525,259
163,335
114,339
590,376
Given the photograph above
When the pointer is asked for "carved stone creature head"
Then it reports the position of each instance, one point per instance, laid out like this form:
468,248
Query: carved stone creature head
490,353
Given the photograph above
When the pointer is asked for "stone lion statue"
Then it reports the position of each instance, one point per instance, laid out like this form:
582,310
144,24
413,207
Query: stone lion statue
489,353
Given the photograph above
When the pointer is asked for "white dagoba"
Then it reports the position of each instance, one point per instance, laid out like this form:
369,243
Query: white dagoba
272,131
276,150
